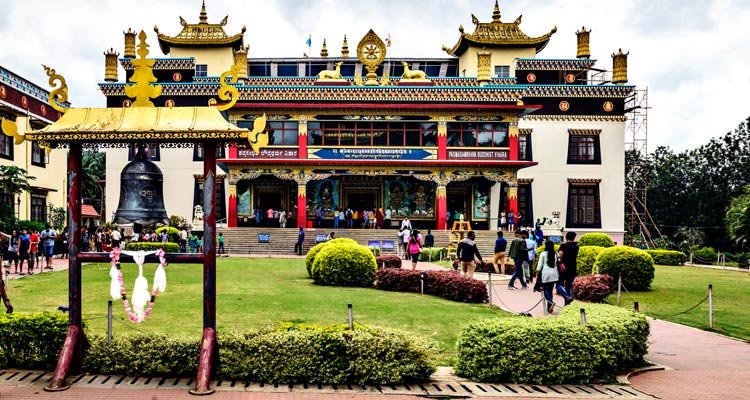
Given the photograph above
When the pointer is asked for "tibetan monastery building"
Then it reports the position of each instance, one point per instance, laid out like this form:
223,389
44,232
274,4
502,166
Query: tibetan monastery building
488,129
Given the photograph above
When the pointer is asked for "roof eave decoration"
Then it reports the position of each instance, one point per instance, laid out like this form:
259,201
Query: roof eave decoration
497,34
201,34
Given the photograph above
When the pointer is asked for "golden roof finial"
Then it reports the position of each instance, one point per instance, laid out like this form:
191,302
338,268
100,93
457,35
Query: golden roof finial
204,15
324,50
345,48
59,95
496,12
143,77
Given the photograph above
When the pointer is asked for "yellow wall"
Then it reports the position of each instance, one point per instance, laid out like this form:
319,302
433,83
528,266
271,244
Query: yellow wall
468,60
51,177
217,60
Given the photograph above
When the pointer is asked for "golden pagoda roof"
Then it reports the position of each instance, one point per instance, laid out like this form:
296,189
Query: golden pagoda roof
201,34
497,34
149,124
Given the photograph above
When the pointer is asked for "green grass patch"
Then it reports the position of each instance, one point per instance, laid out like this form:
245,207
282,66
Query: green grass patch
676,289
252,293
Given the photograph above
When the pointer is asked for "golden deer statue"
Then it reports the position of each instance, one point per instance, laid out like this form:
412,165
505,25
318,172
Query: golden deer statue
415,74
330,75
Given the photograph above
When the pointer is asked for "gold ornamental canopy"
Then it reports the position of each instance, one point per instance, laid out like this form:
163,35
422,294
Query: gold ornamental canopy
200,34
142,121
497,34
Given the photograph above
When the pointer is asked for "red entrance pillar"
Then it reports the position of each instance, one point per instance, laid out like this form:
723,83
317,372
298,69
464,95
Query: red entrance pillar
442,141
513,141
301,206
302,139
232,217
513,199
442,208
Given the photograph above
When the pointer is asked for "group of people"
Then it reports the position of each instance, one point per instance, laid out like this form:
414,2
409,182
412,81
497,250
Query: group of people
24,247
350,219
102,239
411,242
271,218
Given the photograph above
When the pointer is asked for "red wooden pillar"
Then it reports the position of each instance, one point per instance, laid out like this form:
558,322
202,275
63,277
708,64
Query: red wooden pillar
513,199
302,139
442,208
513,141
442,141
209,353
301,205
71,354
232,206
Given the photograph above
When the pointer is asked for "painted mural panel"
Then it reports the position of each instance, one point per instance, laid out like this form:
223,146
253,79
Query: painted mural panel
324,194
406,196
481,202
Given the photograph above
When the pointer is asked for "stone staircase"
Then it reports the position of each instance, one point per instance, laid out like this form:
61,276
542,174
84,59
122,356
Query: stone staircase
242,241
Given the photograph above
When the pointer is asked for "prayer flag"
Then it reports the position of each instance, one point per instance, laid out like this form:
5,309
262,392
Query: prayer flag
388,40
309,41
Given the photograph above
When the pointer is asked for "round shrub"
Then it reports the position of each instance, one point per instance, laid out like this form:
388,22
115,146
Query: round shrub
344,264
586,259
593,288
596,239
388,261
172,233
667,257
635,266
313,252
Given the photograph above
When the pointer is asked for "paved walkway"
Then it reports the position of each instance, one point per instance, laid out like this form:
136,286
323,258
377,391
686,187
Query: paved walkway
700,364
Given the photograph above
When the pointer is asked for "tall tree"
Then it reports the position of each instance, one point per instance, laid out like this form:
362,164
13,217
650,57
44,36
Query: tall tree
738,217
13,181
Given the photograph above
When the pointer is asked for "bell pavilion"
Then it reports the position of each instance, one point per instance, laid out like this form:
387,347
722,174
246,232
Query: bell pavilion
487,129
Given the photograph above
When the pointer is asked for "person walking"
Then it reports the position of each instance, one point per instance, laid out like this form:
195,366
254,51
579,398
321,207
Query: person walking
406,235
48,245
116,237
414,247
550,276
568,253
500,245
531,248
34,241
183,240
511,221
429,239
336,214
300,241
518,254
24,243
282,219
466,252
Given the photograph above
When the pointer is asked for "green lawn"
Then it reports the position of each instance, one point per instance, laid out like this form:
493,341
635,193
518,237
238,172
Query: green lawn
676,289
252,293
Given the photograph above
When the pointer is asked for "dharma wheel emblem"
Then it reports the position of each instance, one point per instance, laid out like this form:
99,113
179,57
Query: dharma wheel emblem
371,52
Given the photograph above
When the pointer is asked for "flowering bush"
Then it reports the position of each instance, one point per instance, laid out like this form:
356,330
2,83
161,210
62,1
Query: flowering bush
388,261
445,284
596,239
593,288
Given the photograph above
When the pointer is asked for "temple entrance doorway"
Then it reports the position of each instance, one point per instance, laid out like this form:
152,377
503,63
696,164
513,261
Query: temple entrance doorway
362,199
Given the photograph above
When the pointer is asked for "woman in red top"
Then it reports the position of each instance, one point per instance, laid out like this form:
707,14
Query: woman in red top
34,239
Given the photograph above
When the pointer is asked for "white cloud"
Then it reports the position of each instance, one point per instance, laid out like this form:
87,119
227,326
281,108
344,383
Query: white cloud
691,55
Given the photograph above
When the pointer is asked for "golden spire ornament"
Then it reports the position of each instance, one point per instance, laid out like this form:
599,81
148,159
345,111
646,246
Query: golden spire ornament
143,77
345,48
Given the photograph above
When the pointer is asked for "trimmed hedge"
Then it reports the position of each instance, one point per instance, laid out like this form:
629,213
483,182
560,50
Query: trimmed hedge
562,351
150,246
635,266
593,288
344,264
445,284
388,261
596,239
282,354
432,253
667,257
586,259
704,254
621,335
365,355
313,252
31,341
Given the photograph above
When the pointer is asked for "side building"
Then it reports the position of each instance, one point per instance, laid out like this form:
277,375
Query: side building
24,107
487,130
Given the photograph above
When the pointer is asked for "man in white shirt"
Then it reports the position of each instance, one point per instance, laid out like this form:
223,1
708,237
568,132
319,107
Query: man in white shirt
406,223
116,237
183,241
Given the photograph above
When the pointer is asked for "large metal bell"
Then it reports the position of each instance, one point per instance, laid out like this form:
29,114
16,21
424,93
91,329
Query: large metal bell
141,193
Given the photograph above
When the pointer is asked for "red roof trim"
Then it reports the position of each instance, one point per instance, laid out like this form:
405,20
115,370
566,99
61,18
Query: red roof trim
389,106
378,163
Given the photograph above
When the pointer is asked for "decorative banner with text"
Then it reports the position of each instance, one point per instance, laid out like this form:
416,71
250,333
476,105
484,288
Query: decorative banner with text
372,154
268,153
477,154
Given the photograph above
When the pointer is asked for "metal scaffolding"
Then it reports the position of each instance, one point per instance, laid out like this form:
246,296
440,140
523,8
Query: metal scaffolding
637,218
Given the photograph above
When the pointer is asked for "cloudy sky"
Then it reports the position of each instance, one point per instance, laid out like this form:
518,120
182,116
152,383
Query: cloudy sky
692,55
